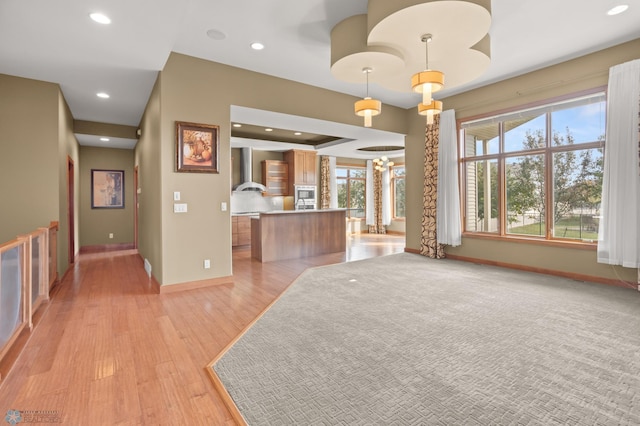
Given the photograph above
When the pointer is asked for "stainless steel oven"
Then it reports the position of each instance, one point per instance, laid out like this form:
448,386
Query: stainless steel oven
305,197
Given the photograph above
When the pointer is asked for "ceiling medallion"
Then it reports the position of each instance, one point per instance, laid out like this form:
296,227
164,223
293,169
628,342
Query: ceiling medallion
389,39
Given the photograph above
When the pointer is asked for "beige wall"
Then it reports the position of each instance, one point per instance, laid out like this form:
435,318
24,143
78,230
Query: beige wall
200,91
28,154
35,139
68,148
583,73
97,224
147,158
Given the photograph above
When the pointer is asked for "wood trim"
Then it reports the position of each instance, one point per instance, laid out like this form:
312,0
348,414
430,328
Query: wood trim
19,340
521,239
71,238
191,285
235,413
411,250
136,203
217,383
570,275
99,248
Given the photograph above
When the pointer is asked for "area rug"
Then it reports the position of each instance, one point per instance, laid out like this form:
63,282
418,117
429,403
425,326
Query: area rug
406,340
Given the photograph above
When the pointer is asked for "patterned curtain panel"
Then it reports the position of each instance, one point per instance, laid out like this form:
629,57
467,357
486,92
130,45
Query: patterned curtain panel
377,227
325,187
429,243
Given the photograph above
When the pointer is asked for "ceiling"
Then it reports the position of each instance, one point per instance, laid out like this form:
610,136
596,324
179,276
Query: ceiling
56,41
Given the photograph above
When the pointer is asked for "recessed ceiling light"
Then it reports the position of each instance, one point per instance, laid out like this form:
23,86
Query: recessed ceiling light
104,139
237,125
216,34
100,18
257,46
617,9
268,130
102,95
297,133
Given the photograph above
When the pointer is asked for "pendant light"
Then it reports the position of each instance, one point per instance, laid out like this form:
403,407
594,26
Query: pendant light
435,107
428,82
383,163
367,107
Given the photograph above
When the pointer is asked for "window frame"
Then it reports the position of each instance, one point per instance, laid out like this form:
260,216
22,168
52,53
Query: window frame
393,191
350,167
547,151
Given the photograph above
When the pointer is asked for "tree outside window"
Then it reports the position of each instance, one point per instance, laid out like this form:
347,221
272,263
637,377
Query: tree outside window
551,161
351,182
397,187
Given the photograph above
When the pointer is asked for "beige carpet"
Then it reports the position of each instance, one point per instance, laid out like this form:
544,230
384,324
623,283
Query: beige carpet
406,340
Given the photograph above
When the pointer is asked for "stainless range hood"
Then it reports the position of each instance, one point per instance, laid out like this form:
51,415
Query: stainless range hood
246,177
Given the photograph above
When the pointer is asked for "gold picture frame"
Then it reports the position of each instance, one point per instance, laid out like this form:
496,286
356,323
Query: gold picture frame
197,147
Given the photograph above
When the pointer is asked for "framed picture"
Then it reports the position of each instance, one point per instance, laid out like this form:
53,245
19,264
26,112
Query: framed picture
197,147
107,189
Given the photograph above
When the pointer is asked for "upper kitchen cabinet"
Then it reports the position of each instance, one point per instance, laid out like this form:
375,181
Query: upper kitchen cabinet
302,167
275,176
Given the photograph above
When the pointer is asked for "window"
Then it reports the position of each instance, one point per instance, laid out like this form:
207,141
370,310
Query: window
536,172
351,189
397,190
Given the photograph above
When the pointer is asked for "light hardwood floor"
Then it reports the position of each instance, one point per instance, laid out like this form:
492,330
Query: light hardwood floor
109,351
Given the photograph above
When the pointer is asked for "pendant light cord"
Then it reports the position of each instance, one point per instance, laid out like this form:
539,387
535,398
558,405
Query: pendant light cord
426,54
367,73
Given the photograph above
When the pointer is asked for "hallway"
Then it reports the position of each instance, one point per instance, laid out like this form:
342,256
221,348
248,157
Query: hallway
109,351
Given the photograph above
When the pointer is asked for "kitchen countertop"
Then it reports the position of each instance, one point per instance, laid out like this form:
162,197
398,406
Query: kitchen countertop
302,211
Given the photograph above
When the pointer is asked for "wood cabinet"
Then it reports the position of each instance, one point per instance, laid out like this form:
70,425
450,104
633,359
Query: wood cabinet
275,176
302,167
278,236
240,230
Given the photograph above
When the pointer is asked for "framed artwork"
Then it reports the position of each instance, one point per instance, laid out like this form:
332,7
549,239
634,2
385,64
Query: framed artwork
107,189
197,147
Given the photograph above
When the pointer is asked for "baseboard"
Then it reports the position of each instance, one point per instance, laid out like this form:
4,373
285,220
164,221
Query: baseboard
563,274
192,285
106,247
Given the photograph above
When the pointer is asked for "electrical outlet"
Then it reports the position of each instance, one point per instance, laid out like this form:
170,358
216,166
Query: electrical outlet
207,263
111,235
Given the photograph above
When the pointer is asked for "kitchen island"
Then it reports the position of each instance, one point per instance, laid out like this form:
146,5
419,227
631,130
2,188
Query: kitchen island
290,234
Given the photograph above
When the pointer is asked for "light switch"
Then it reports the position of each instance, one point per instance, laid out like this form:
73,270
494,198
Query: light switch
223,206
176,196
180,208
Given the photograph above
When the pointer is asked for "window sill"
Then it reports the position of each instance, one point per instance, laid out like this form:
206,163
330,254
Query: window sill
579,245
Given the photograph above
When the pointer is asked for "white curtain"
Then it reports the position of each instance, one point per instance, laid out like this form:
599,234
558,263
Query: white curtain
448,222
619,232
333,184
386,197
368,195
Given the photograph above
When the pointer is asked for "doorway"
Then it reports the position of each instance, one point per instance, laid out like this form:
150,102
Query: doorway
136,206
71,209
